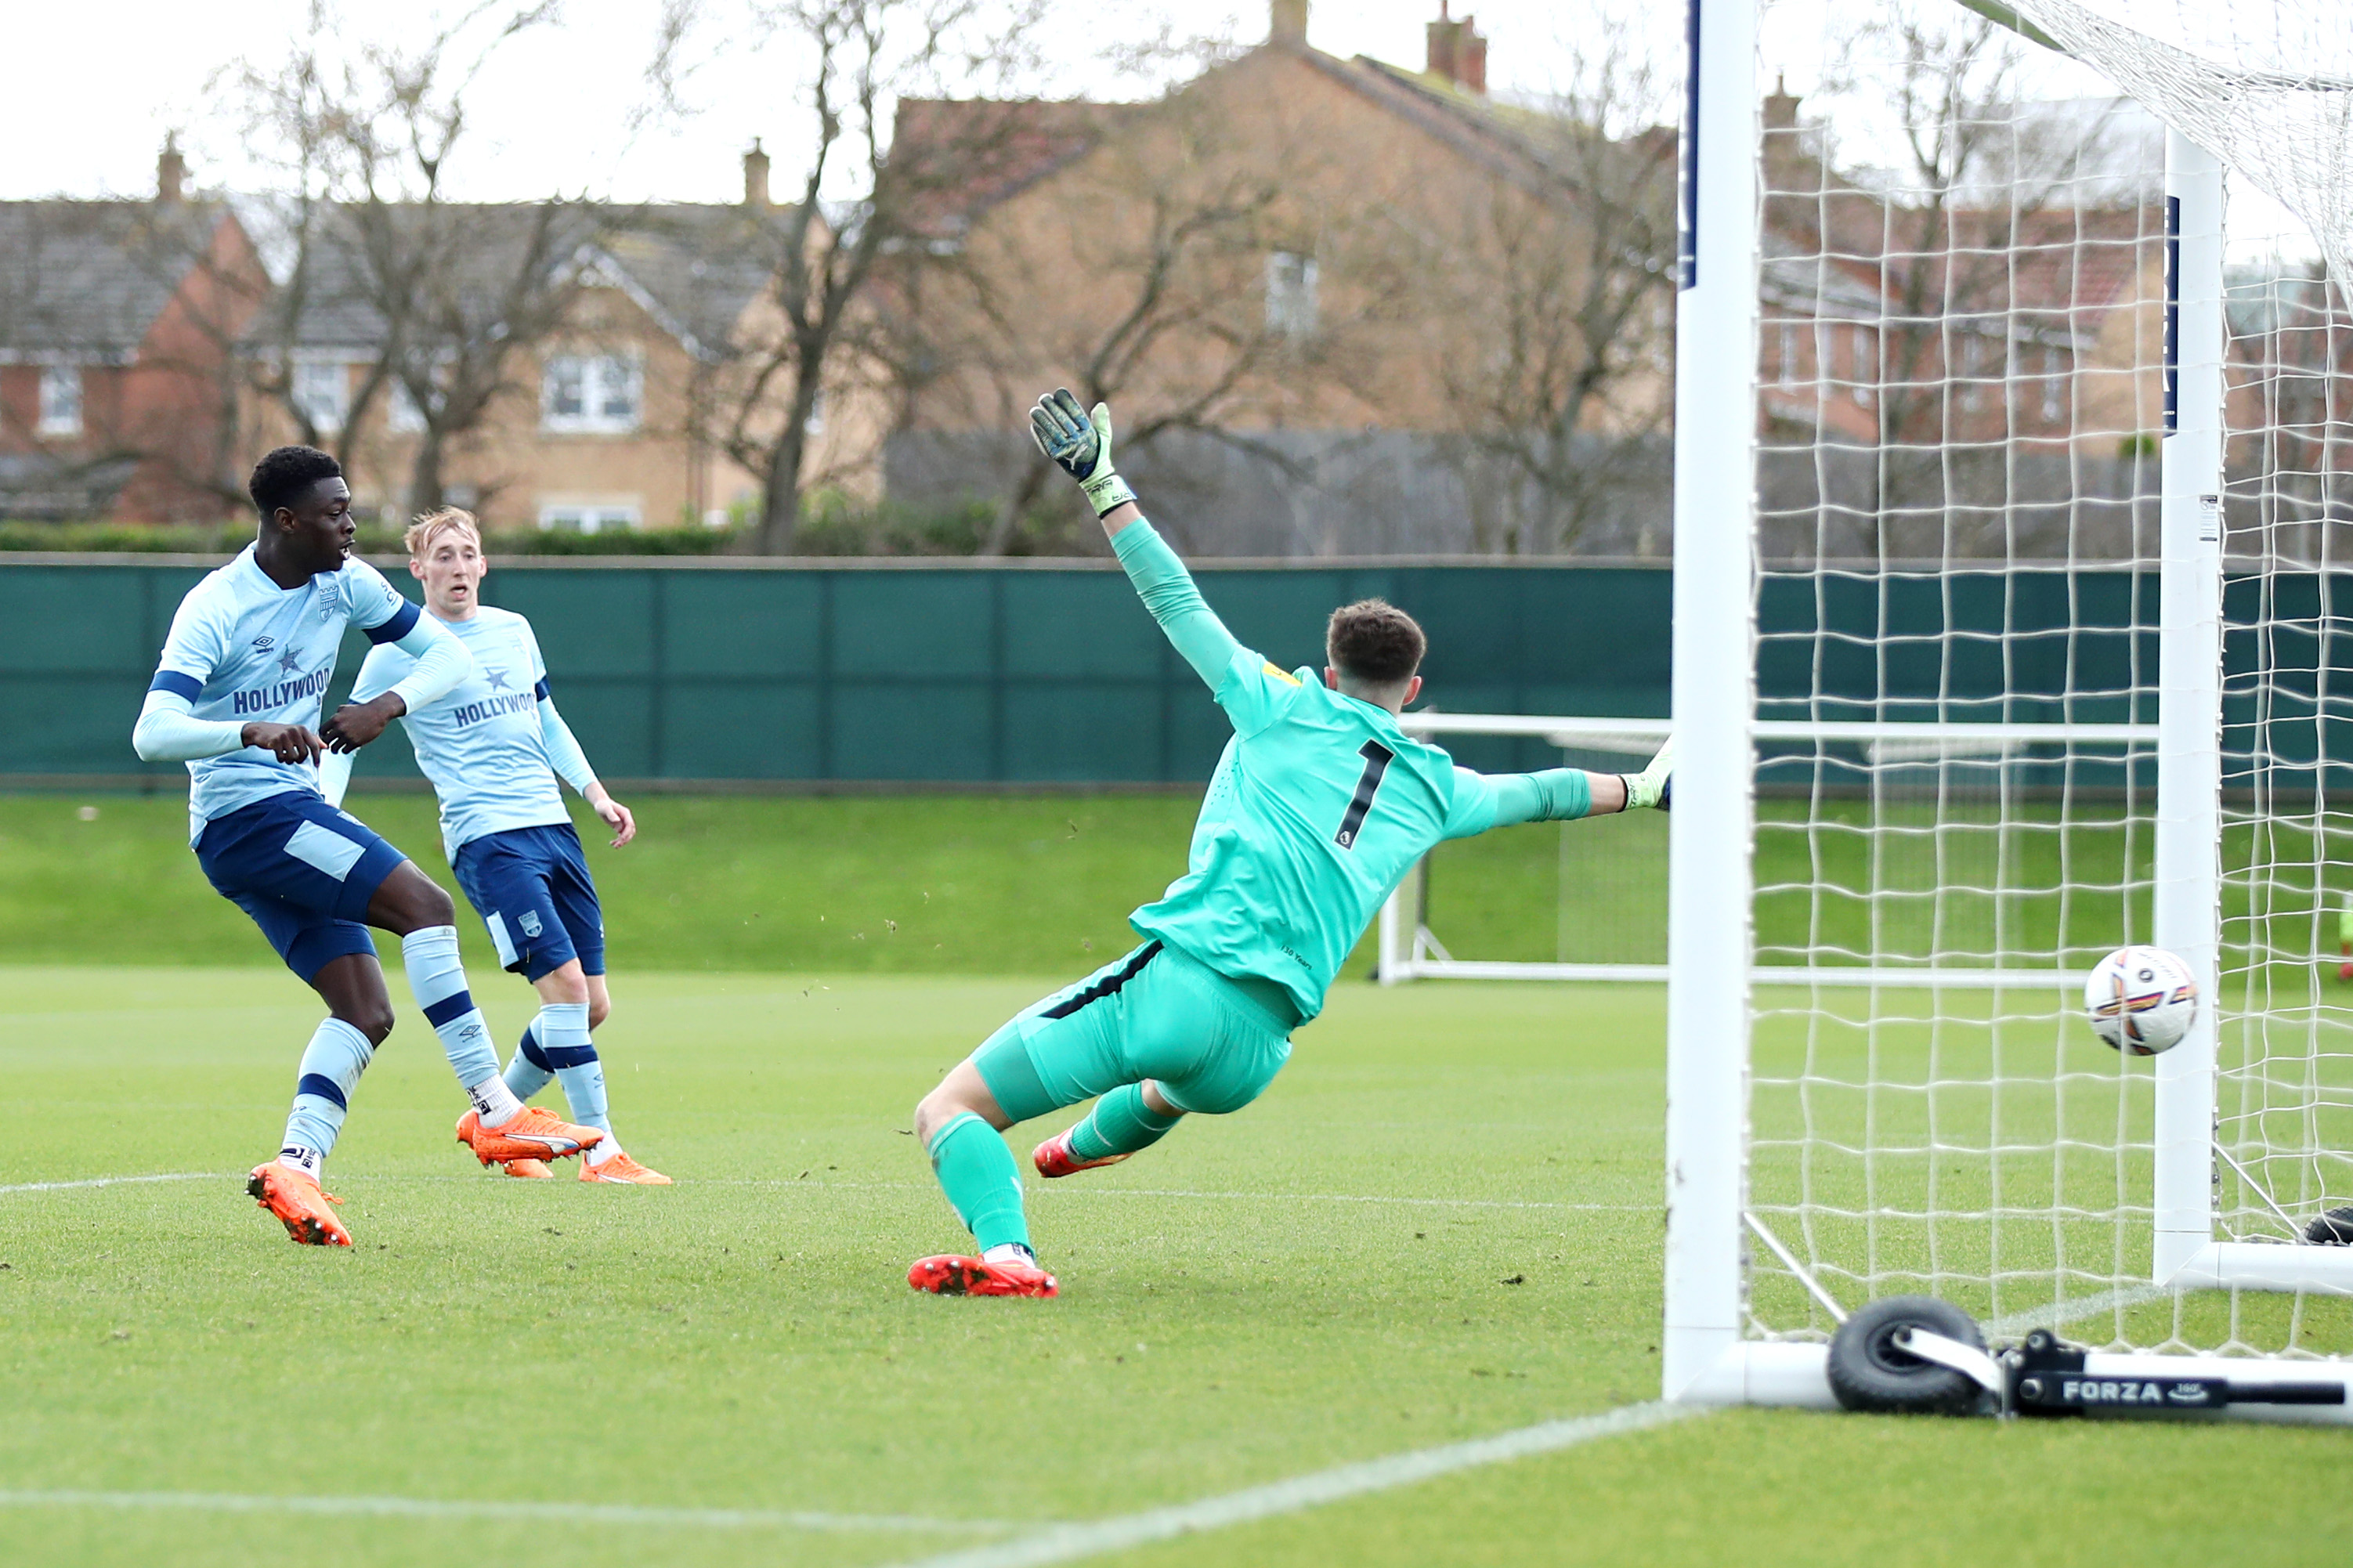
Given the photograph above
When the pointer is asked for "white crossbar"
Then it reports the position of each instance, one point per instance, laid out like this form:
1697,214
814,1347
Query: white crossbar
1605,733
1413,968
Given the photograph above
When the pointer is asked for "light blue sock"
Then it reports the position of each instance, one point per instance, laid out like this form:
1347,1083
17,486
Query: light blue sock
977,1171
332,1065
565,1046
529,1072
438,981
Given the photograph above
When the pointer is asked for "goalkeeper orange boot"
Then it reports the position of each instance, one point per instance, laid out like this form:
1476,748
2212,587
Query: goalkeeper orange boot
534,1134
1055,1157
951,1276
619,1167
530,1170
299,1203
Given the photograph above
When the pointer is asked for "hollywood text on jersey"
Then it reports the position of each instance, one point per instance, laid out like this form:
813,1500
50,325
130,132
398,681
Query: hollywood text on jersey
261,700
491,707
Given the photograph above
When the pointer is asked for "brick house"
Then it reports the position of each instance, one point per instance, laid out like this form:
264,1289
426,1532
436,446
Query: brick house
118,371
607,412
1308,284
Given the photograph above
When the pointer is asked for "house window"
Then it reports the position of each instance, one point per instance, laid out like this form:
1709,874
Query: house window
1866,367
588,519
599,394
321,389
2050,384
401,414
61,400
1290,294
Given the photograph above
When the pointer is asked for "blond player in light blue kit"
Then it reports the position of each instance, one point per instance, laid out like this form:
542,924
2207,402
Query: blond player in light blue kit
494,747
1320,805
237,696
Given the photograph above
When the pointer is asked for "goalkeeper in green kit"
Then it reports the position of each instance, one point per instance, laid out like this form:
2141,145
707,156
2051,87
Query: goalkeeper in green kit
1319,807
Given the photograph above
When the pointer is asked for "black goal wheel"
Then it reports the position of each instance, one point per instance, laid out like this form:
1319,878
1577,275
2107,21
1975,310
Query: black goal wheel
1870,1371
2334,1228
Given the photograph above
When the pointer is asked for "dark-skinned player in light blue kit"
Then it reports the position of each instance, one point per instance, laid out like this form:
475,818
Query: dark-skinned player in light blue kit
1320,805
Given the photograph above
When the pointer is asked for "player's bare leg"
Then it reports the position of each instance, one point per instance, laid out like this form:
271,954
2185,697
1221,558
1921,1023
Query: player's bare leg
961,1126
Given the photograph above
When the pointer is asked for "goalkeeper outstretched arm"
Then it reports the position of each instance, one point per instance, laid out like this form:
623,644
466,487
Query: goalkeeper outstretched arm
1483,801
1079,443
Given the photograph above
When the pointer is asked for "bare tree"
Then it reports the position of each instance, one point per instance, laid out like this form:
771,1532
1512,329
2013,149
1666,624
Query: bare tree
435,300
1194,259
1560,279
1967,238
861,200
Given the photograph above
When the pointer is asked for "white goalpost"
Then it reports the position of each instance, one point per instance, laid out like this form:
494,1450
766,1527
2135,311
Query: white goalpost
1956,711
2013,625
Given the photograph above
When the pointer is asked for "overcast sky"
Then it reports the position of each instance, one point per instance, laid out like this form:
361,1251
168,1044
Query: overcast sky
94,87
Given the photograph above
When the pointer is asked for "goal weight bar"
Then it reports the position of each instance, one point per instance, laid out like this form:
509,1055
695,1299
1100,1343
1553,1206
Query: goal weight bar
1917,1355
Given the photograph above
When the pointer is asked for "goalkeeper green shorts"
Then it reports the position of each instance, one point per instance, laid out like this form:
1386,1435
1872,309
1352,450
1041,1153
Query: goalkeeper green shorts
1211,1044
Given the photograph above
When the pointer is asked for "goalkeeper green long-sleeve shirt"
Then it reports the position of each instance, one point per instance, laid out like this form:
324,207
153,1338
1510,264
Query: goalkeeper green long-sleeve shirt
1319,807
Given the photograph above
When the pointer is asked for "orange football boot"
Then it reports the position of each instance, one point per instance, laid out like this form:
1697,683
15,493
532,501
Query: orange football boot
299,1203
530,1170
1055,1157
536,1134
952,1275
621,1168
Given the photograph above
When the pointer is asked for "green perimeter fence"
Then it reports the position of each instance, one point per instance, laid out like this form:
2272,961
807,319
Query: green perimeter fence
801,676
797,675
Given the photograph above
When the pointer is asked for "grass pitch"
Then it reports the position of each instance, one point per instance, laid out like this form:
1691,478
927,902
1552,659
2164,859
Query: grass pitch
1440,1223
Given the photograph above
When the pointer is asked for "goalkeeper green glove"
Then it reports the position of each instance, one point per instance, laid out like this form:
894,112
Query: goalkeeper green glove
1655,785
1079,443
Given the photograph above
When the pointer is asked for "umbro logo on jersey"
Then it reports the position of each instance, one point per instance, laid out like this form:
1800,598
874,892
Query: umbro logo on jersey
263,645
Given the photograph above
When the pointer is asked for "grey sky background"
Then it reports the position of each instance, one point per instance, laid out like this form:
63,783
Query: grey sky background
96,86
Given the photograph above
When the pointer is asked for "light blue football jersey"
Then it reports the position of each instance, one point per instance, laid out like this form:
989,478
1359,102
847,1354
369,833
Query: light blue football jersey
243,648
480,746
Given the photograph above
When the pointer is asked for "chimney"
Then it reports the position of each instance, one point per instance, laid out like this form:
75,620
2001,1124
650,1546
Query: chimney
755,178
171,172
1458,54
1287,22
1780,106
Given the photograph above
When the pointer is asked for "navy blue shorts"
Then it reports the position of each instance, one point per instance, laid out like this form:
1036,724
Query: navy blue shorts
531,886
304,871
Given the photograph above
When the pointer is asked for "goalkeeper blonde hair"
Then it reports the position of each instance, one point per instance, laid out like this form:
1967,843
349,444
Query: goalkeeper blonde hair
430,526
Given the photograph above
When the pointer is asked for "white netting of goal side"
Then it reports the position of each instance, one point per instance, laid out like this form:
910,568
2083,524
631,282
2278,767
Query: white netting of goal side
1961,392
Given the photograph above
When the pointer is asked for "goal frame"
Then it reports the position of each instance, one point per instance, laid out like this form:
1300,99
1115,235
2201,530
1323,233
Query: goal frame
1711,944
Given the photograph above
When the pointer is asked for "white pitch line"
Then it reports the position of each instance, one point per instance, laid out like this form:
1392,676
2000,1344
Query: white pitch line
2058,1313
116,1182
562,1512
1070,1543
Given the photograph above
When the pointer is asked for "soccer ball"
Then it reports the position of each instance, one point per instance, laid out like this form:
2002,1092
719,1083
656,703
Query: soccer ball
2141,1000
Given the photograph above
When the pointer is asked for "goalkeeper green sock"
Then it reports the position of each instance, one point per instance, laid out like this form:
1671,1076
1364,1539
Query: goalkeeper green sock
1121,1123
976,1169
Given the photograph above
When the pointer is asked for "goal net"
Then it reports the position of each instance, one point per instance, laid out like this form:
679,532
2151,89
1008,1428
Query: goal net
2031,649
